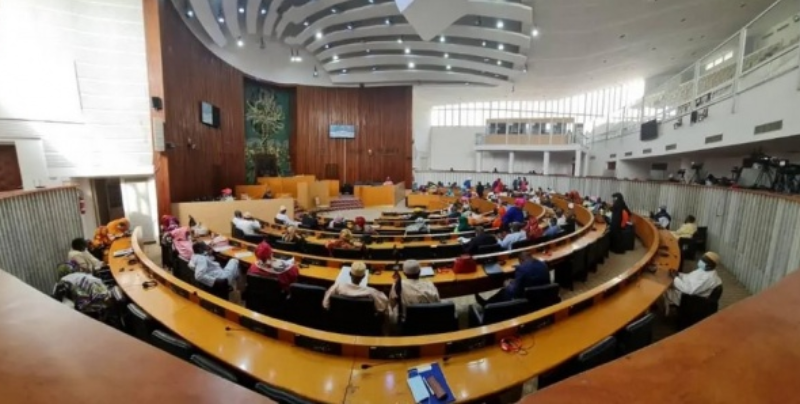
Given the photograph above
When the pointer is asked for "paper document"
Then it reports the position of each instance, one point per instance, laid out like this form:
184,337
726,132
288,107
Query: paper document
243,254
344,276
426,271
418,389
122,253
222,248
463,240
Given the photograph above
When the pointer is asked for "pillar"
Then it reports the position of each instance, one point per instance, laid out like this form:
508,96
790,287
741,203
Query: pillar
478,161
546,164
578,162
586,159
510,162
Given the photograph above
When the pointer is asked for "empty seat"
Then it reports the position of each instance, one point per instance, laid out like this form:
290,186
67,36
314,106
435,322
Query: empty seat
285,246
694,309
138,323
636,335
183,272
172,344
522,244
420,252
430,318
489,249
278,395
212,366
264,295
596,355
221,288
354,316
540,297
593,256
315,249
305,306
562,274
497,312
578,263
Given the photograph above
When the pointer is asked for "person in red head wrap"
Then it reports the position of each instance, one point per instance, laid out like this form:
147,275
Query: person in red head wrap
285,272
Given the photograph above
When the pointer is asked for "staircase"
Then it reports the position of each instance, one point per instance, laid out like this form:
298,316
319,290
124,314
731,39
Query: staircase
343,202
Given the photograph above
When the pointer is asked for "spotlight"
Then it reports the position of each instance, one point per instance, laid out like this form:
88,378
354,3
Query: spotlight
263,11
374,68
335,57
241,10
535,32
333,10
446,55
408,51
240,42
387,21
441,38
319,35
367,50
221,19
305,23
399,40
411,65
500,24
483,43
448,67
499,63
327,46
190,13
501,47
350,26
344,71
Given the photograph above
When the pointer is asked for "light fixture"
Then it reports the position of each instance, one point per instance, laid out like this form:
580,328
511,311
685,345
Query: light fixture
486,60
368,50
335,57
500,24
374,68
190,13
387,21
240,42
263,11
499,63
400,40
478,21
371,1
319,35
241,10
501,47
305,23
496,75
466,83
411,65
221,19
483,43
524,68
315,71
535,32
333,10
327,46
448,67
350,26
408,51
441,38
344,71
446,55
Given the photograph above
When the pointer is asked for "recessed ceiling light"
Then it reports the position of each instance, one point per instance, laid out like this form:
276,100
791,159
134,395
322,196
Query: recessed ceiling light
500,24
240,42
446,55
441,38
333,10
367,50
374,68
241,10
319,35
448,67
485,59
483,43
335,57
399,40
305,23
221,19
501,47
535,32
344,70
327,46
499,63
371,1
263,11
408,51
411,65
387,21
190,13
350,26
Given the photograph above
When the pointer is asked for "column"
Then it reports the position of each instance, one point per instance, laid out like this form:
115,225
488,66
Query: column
478,161
578,162
510,162
546,164
585,165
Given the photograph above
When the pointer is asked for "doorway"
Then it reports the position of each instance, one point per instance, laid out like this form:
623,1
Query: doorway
10,174
108,199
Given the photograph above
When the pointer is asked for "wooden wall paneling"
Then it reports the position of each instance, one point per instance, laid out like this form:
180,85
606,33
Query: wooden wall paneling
204,159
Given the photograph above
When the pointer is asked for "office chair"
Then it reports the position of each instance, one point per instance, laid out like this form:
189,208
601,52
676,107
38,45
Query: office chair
355,316
540,297
694,309
221,288
602,352
212,367
593,256
278,395
236,232
139,324
636,335
522,244
264,295
430,318
304,306
563,274
347,253
171,344
578,263
497,312
183,272
285,246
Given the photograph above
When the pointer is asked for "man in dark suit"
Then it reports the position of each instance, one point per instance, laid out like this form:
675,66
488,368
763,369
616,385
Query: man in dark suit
481,239
529,273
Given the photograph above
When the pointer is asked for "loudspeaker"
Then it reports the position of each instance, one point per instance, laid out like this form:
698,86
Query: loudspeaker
156,103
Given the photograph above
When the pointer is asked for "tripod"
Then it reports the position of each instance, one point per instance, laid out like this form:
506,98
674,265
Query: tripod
765,179
695,177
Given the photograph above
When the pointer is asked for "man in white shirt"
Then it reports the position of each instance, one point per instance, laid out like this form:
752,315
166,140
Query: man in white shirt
85,261
700,282
516,234
248,225
284,219
207,270
411,290
237,218
662,217
353,289
561,220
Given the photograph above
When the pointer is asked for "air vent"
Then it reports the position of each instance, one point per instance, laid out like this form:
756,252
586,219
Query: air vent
671,146
613,156
658,167
768,127
647,151
628,154
714,139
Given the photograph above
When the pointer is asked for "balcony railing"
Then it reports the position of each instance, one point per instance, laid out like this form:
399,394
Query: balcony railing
482,139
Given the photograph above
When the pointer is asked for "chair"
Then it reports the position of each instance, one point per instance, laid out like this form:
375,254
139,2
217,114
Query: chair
212,367
183,272
172,344
304,306
264,295
285,246
593,256
317,250
354,316
700,238
600,353
278,395
540,297
497,312
419,252
347,253
636,335
694,309
578,263
236,232
448,251
139,323
430,318
522,244
253,238
563,274
166,255
221,288
688,250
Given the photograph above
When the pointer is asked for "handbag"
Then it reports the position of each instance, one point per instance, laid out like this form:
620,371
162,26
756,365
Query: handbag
465,265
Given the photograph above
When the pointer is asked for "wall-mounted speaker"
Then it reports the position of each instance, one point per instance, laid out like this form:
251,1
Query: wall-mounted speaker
157,103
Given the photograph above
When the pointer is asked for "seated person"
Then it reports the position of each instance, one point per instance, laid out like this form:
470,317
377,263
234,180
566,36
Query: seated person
418,226
284,271
514,214
502,208
553,230
411,290
359,224
516,234
227,195
570,225
282,218
418,213
700,282
237,218
310,221
388,181
248,225
561,220
481,239
345,241
353,289
85,262
207,270
182,243
88,291
687,229
662,217
530,272
463,225
118,228
268,194
168,223
292,235
337,223
533,229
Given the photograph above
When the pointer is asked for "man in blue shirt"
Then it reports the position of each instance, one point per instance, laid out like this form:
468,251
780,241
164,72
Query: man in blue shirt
530,272
516,234
553,230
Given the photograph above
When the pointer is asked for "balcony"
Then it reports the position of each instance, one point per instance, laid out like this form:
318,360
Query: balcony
541,134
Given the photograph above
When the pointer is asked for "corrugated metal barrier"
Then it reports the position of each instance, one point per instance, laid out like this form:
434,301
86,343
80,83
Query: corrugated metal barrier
755,233
35,233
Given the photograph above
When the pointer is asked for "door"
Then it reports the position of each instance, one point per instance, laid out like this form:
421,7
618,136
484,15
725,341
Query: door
10,175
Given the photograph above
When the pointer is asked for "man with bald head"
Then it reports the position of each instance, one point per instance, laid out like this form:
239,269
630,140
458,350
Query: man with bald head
411,290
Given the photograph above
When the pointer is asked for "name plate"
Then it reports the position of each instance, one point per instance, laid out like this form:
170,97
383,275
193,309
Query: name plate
257,327
316,345
469,344
581,306
536,325
212,307
409,352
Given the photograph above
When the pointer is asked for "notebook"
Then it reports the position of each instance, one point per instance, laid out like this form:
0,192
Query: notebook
426,271
222,248
492,269
243,254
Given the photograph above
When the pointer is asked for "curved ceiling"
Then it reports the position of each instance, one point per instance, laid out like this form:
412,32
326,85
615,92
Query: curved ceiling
581,45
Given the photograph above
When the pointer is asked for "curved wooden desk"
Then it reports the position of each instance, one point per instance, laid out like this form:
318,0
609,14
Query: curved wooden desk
283,354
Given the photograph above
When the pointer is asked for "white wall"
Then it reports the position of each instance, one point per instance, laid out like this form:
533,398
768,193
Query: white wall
73,88
778,99
421,127
141,206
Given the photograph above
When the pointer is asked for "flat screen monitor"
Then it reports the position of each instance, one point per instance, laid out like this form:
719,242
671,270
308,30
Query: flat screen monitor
343,132
649,130
209,114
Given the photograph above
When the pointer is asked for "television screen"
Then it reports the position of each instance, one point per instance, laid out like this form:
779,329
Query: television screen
343,132
209,114
649,130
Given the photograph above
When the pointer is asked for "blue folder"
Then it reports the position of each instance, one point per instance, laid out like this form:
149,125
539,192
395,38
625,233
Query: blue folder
436,372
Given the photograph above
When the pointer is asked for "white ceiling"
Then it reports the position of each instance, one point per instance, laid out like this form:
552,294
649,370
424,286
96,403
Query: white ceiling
582,44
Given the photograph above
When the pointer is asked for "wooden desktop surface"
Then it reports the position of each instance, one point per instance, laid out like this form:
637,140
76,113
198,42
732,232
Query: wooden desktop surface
471,375
53,354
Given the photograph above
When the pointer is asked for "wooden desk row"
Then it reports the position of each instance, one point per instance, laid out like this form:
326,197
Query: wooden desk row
288,356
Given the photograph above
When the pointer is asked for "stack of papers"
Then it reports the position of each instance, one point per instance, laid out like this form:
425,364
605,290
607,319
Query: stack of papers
463,240
426,271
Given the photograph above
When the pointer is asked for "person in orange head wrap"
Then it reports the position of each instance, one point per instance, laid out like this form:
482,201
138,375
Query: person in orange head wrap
266,266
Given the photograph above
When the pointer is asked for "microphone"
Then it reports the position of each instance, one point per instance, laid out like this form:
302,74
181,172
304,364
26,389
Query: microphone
365,366
228,329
